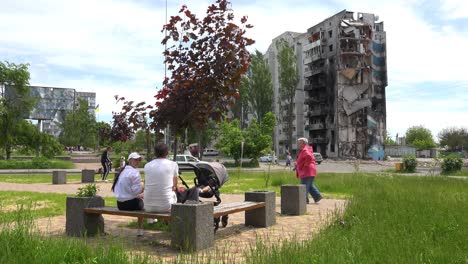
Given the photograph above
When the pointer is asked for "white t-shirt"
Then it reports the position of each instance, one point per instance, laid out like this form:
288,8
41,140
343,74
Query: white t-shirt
129,184
159,175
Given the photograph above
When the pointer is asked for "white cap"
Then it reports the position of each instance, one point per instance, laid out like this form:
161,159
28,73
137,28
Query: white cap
134,155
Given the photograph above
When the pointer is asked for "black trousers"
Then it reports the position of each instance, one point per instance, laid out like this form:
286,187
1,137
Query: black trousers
106,170
131,205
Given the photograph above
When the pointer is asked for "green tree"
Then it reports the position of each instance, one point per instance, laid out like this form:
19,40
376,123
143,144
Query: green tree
389,140
456,139
30,140
15,102
258,86
79,127
257,138
104,134
420,138
288,81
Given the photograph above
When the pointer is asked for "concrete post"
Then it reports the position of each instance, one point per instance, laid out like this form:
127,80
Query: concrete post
79,223
261,217
87,176
192,226
293,199
59,177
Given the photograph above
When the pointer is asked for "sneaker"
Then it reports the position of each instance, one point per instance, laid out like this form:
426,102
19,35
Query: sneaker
140,233
318,200
106,180
151,220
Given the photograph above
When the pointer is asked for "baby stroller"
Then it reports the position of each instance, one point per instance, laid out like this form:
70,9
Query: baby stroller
213,175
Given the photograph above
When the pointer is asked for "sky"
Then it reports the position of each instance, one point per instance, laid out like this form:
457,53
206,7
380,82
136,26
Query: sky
113,47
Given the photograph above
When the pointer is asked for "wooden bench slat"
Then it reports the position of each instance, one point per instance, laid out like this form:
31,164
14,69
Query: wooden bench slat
220,210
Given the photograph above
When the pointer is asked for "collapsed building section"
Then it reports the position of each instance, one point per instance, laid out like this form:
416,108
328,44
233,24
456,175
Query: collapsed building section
344,86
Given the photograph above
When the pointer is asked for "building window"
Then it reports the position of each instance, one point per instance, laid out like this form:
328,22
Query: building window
330,48
330,33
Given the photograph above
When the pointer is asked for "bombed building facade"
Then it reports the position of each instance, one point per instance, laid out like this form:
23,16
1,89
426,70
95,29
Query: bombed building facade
340,99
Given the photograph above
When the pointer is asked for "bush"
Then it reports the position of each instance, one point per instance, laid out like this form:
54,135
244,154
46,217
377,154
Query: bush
88,190
452,163
251,164
409,163
40,163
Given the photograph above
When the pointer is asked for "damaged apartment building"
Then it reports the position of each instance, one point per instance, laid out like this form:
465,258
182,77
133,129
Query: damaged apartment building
340,100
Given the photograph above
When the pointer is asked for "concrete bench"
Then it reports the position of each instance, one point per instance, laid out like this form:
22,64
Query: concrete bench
59,177
192,223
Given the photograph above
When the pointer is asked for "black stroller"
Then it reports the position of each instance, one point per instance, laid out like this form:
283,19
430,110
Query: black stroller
211,174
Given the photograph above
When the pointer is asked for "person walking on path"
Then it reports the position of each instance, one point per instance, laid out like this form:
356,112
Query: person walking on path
106,163
306,170
288,160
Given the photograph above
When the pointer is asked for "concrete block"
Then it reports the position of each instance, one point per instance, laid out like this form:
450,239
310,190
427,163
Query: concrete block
87,176
79,223
192,226
261,217
59,177
293,199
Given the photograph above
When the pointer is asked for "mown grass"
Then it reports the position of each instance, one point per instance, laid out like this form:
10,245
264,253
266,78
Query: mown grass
30,164
40,204
41,178
388,220
21,244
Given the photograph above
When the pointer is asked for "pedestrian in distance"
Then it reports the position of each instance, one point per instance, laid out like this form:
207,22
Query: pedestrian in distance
306,170
106,163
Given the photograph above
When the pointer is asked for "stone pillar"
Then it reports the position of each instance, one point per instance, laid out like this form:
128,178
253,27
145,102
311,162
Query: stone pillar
59,177
87,176
192,226
293,199
261,217
79,223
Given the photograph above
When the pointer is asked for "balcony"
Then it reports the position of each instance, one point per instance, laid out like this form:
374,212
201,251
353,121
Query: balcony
319,141
317,112
312,45
318,126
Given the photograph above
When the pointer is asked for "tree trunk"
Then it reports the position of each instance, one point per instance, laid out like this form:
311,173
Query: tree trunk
8,151
148,144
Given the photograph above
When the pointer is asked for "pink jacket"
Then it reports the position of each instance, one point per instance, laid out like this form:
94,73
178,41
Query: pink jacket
305,164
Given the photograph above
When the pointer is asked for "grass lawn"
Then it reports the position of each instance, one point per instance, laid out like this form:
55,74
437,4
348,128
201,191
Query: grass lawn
39,204
389,219
40,178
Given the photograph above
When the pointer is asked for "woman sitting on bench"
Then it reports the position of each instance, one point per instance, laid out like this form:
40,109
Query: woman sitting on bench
127,186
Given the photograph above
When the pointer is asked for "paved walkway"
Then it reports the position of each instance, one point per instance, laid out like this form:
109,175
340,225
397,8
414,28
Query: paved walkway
231,242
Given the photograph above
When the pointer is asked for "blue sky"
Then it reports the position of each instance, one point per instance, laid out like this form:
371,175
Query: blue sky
112,47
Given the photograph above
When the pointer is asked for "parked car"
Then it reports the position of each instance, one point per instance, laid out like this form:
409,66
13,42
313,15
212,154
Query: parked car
267,158
210,152
185,159
318,157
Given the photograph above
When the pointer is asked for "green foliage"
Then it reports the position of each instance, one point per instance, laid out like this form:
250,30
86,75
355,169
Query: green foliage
24,244
388,140
38,164
50,147
104,133
409,163
288,81
258,86
451,163
456,139
257,138
79,127
15,104
88,190
41,163
420,138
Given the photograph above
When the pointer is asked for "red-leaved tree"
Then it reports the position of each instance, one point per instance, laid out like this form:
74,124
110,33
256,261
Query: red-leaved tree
206,59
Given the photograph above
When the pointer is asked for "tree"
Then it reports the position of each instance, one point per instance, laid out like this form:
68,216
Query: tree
456,139
257,138
30,140
388,140
420,138
288,80
207,58
79,127
258,86
104,133
15,103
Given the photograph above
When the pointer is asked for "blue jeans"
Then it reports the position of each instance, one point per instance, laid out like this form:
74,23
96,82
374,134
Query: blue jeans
310,188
